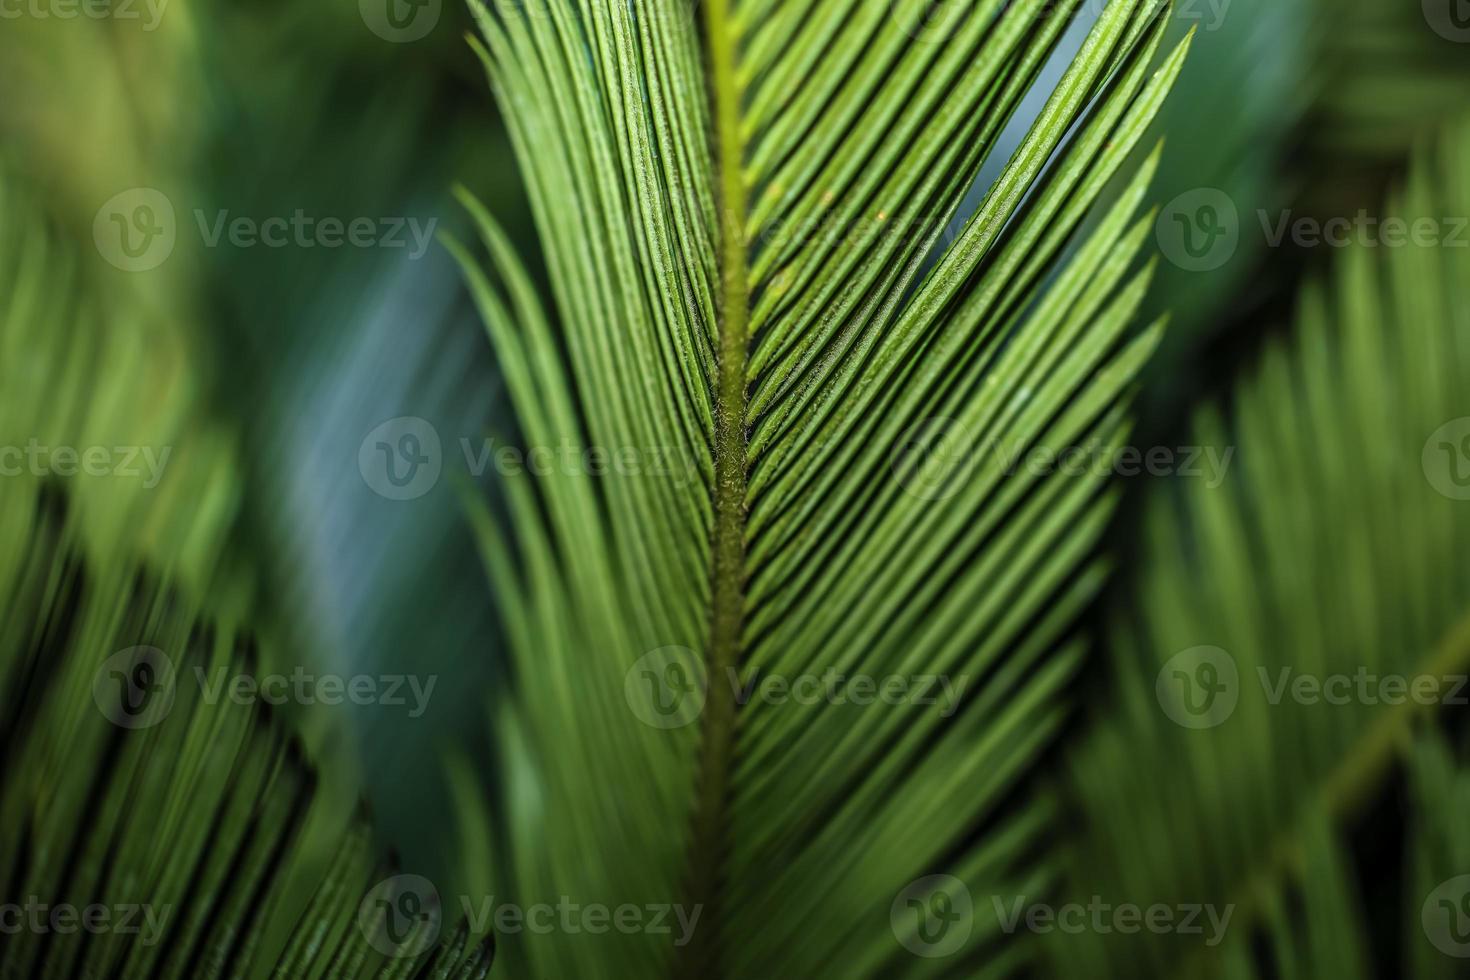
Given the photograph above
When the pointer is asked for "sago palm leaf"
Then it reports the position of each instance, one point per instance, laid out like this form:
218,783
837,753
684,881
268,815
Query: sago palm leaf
1335,549
1389,74
805,408
86,361
194,826
1323,925
267,357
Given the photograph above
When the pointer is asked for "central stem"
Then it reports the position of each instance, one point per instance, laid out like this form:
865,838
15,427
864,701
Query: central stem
709,833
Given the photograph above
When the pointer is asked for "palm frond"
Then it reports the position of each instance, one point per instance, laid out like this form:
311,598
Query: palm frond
1322,924
1334,549
1389,75
194,826
743,224
60,318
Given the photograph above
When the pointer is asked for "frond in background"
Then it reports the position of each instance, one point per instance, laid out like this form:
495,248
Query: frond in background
1390,75
742,224
85,365
123,785
1336,547
1300,107
194,822
1234,138
276,362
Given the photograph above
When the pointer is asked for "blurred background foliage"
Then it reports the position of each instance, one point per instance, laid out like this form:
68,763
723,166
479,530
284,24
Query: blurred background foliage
264,368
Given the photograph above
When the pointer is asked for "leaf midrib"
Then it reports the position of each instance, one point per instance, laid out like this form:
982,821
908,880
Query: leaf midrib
706,849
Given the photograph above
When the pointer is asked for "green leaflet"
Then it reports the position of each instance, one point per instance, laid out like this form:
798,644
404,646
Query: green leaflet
1335,547
761,346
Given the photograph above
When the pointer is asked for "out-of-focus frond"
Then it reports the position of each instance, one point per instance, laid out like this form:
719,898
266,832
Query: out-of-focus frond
1333,553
